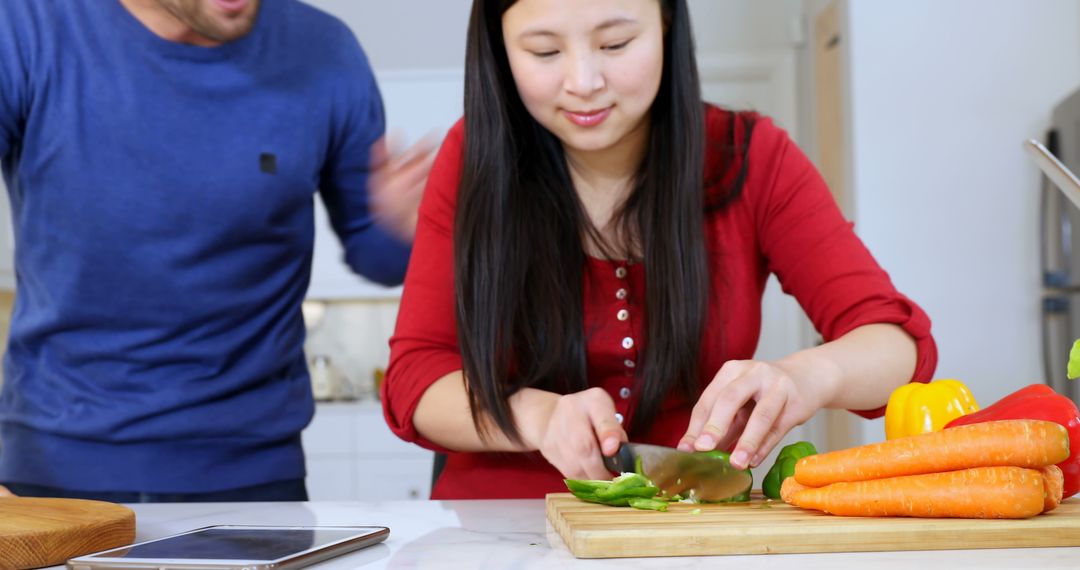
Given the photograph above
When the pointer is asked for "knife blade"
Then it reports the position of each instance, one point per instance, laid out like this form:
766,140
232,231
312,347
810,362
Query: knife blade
1057,172
680,473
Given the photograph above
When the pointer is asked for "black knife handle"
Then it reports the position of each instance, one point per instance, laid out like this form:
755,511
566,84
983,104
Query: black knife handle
622,461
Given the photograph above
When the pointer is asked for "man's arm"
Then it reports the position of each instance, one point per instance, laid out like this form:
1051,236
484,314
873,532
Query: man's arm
14,76
371,193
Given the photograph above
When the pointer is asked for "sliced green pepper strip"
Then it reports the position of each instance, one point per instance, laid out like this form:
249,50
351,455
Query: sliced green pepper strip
617,492
622,484
590,486
648,504
785,467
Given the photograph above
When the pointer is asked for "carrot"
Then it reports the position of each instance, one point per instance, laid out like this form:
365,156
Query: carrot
788,489
980,492
1019,443
1054,481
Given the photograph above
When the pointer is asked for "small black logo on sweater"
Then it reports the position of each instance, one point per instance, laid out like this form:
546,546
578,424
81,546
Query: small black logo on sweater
268,163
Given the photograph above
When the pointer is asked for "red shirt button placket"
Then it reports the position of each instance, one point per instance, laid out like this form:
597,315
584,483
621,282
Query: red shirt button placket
622,315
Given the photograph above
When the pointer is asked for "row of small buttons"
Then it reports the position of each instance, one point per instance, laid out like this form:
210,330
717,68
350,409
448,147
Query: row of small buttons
628,342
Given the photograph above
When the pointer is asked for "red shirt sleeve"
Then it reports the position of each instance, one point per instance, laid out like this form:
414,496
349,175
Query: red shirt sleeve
816,255
424,346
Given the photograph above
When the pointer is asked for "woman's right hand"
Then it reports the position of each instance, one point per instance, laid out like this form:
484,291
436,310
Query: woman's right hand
577,431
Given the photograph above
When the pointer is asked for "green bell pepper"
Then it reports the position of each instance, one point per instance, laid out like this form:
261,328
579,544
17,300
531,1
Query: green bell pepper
785,467
742,497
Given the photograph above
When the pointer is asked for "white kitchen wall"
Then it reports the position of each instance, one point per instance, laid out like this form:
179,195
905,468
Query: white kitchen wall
406,34
395,38
943,94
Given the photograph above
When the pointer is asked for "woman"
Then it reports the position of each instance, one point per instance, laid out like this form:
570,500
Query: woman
591,254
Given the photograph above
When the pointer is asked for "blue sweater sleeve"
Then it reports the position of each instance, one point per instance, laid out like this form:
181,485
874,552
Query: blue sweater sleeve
13,80
369,249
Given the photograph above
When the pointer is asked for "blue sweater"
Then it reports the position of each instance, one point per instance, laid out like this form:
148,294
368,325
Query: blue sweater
162,198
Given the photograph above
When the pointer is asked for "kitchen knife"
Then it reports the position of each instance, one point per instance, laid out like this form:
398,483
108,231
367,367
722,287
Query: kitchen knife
676,472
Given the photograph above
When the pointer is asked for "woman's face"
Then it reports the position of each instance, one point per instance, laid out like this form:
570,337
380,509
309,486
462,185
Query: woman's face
588,71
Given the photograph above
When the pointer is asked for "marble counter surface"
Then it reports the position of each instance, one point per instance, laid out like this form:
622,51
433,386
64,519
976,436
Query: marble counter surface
515,535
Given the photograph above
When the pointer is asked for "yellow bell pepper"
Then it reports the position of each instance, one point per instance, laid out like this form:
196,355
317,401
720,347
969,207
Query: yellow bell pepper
923,408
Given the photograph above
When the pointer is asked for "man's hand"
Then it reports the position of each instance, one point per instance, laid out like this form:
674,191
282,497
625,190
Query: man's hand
5,493
397,181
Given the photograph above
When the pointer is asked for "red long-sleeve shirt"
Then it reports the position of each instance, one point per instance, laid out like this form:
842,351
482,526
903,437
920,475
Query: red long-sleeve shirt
785,222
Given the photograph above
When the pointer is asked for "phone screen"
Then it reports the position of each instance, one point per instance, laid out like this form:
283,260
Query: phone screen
241,544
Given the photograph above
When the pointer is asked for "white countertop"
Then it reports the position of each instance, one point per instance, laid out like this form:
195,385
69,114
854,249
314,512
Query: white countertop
515,535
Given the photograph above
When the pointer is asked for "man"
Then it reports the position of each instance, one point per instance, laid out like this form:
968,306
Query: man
161,157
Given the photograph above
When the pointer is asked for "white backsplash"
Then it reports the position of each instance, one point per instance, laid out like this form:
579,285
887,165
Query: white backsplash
354,336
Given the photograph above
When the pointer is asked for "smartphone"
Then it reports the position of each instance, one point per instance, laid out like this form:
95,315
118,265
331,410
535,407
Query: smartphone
233,547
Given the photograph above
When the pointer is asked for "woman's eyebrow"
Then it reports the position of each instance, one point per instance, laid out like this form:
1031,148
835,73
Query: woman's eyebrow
609,23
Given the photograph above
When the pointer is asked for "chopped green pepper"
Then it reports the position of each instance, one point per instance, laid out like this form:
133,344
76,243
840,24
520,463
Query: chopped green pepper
785,467
648,504
586,486
625,485
622,491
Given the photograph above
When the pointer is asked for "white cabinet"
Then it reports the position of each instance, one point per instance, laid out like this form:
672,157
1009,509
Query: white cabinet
352,455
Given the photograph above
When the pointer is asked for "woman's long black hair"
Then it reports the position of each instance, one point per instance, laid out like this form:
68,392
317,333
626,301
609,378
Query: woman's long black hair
520,231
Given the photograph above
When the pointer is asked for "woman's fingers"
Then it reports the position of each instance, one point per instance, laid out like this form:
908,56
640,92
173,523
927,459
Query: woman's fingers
732,398
608,431
699,417
738,424
771,440
748,408
582,430
605,429
762,421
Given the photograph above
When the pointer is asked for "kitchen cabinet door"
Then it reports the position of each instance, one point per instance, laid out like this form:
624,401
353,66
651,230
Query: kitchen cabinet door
352,455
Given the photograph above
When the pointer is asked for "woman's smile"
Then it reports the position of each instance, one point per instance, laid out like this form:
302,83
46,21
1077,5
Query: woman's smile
590,118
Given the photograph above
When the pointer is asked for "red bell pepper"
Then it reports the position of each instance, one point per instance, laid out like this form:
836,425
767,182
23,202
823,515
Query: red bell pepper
1038,402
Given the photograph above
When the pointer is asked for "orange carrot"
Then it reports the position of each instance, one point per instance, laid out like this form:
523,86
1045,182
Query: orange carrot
1054,480
981,492
1019,443
788,489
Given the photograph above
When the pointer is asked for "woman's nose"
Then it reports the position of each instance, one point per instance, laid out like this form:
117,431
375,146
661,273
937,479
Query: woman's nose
584,76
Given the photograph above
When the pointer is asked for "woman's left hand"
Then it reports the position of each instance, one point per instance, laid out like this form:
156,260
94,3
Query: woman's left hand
765,397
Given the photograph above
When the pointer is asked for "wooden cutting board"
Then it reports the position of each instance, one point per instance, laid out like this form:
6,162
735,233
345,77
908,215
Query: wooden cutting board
760,527
47,532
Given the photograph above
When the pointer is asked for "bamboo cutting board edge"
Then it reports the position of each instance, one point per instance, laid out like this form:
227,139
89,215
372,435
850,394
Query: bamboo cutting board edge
38,532
597,531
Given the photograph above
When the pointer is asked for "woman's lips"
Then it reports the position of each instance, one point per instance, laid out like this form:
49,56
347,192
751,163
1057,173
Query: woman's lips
587,118
232,6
